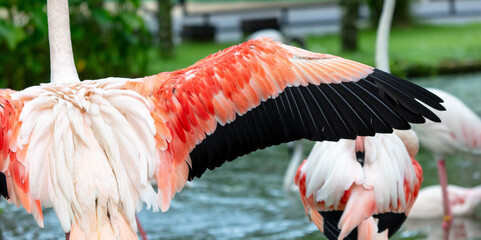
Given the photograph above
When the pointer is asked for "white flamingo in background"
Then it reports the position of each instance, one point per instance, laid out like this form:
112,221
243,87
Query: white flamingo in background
459,131
463,202
358,189
89,148
463,227
429,208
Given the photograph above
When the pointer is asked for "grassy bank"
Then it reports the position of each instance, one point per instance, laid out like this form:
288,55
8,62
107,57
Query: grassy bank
416,51
421,50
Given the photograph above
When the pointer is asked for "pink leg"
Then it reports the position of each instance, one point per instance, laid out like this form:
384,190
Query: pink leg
67,236
443,180
141,229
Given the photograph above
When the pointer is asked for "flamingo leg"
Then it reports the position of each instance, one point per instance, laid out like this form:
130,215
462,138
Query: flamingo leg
141,229
443,180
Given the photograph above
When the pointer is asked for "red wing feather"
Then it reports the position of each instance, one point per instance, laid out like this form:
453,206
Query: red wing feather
12,162
189,102
188,105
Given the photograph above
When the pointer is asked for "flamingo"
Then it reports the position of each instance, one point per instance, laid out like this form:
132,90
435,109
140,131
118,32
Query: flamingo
429,207
443,138
89,148
459,131
463,201
353,189
463,228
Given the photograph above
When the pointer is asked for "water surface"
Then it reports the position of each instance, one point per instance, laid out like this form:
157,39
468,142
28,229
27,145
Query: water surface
244,199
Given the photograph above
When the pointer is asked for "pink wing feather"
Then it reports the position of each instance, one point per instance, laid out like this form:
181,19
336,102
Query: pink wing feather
188,105
12,162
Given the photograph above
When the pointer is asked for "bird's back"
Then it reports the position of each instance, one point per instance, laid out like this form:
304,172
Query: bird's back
91,153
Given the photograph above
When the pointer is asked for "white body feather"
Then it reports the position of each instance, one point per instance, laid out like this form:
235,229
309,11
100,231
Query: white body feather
331,169
386,179
78,135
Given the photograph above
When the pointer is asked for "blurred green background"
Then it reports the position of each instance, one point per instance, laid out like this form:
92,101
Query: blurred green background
104,42
116,42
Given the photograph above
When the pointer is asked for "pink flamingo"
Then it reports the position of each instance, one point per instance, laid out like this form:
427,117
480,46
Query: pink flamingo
429,208
430,204
353,189
89,148
458,131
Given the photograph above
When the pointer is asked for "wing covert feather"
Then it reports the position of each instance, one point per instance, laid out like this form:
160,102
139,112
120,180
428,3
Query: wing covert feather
200,109
12,159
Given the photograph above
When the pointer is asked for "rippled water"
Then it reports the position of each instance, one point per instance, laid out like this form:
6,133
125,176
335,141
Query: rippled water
244,199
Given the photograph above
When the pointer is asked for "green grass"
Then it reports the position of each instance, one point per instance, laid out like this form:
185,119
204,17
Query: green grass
186,54
421,50
276,1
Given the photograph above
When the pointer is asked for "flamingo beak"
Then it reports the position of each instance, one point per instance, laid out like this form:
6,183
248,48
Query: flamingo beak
359,148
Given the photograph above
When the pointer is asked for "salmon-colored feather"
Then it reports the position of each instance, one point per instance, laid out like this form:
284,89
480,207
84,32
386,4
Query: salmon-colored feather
12,161
224,84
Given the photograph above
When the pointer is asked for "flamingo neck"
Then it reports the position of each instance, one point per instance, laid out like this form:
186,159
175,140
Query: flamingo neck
62,66
382,36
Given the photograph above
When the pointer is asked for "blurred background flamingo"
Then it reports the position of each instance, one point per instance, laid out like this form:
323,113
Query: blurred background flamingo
430,203
460,131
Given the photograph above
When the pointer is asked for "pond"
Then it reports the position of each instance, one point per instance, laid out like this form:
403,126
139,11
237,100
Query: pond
245,200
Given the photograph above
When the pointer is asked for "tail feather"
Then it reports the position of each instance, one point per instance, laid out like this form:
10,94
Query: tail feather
317,219
112,226
360,206
367,230
37,213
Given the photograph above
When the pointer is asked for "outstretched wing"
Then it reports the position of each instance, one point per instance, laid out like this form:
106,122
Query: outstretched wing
14,181
261,93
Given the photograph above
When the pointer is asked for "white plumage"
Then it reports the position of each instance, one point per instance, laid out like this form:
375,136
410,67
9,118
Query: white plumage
458,131
383,181
463,201
331,169
87,133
